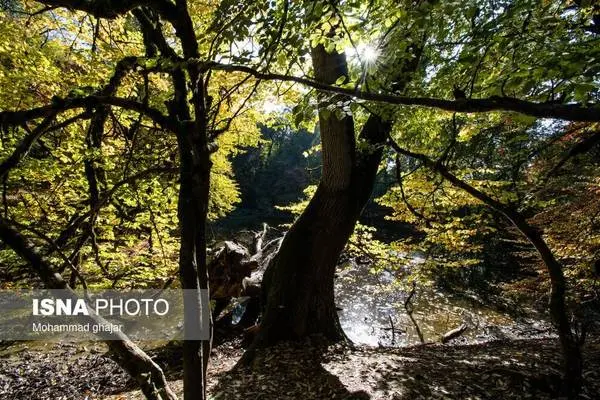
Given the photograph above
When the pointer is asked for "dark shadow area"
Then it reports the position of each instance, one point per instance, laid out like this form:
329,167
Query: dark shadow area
285,372
515,369
73,370
495,370
55,371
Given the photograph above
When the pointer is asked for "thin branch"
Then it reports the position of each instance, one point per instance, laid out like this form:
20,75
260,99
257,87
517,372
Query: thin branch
67,261
77,220
399,179
273,45
453,179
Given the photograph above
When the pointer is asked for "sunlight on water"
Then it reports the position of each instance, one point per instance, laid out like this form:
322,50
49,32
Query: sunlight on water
371,306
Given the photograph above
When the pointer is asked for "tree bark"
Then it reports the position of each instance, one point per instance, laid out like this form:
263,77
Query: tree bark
298,295
298,286
299,281
194,172
192,212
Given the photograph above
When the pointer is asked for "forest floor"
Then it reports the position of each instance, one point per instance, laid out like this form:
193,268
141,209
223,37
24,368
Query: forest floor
517,369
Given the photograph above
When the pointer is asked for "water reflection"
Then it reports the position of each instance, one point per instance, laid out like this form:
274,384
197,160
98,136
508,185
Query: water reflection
372,313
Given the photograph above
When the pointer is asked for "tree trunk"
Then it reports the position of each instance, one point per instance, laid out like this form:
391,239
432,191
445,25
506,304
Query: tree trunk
195,167
572,358
299,282
298,286
193,208
298,294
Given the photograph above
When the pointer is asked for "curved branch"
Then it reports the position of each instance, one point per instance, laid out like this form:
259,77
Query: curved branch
127,354
111,9
50,112
66,260
453,179
558,309
579,148
25,146
413,211
567,112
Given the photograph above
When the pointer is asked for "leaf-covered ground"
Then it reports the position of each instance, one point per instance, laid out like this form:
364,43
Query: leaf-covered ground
497,370
523,369
58,372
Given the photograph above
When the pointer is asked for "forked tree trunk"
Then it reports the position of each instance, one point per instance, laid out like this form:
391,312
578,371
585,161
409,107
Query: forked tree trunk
192,212
298,295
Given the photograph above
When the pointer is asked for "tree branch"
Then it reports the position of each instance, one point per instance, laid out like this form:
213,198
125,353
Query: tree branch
76,221
453,179
131,358
8,118
579,148
25,146
109,9
568,112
